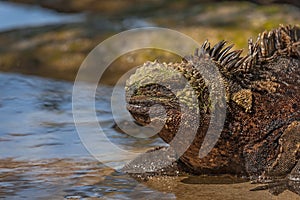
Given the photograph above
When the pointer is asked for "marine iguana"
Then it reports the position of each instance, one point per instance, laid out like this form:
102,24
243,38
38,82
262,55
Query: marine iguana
261,133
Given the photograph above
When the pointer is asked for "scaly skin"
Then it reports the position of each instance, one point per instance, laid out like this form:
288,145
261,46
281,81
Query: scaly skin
261,133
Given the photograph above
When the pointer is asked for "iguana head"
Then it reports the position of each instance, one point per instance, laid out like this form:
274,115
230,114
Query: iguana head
182,89
153,93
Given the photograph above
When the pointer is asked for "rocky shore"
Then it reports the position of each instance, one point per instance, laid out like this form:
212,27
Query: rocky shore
57,51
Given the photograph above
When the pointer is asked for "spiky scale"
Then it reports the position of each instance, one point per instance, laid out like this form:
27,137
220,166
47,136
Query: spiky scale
217,48
224,52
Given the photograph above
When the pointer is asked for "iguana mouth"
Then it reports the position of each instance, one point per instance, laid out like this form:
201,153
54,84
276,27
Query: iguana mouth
143,98
139,106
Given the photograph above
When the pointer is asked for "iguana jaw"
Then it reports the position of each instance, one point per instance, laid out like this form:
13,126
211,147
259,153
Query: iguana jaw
139,107
142,104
